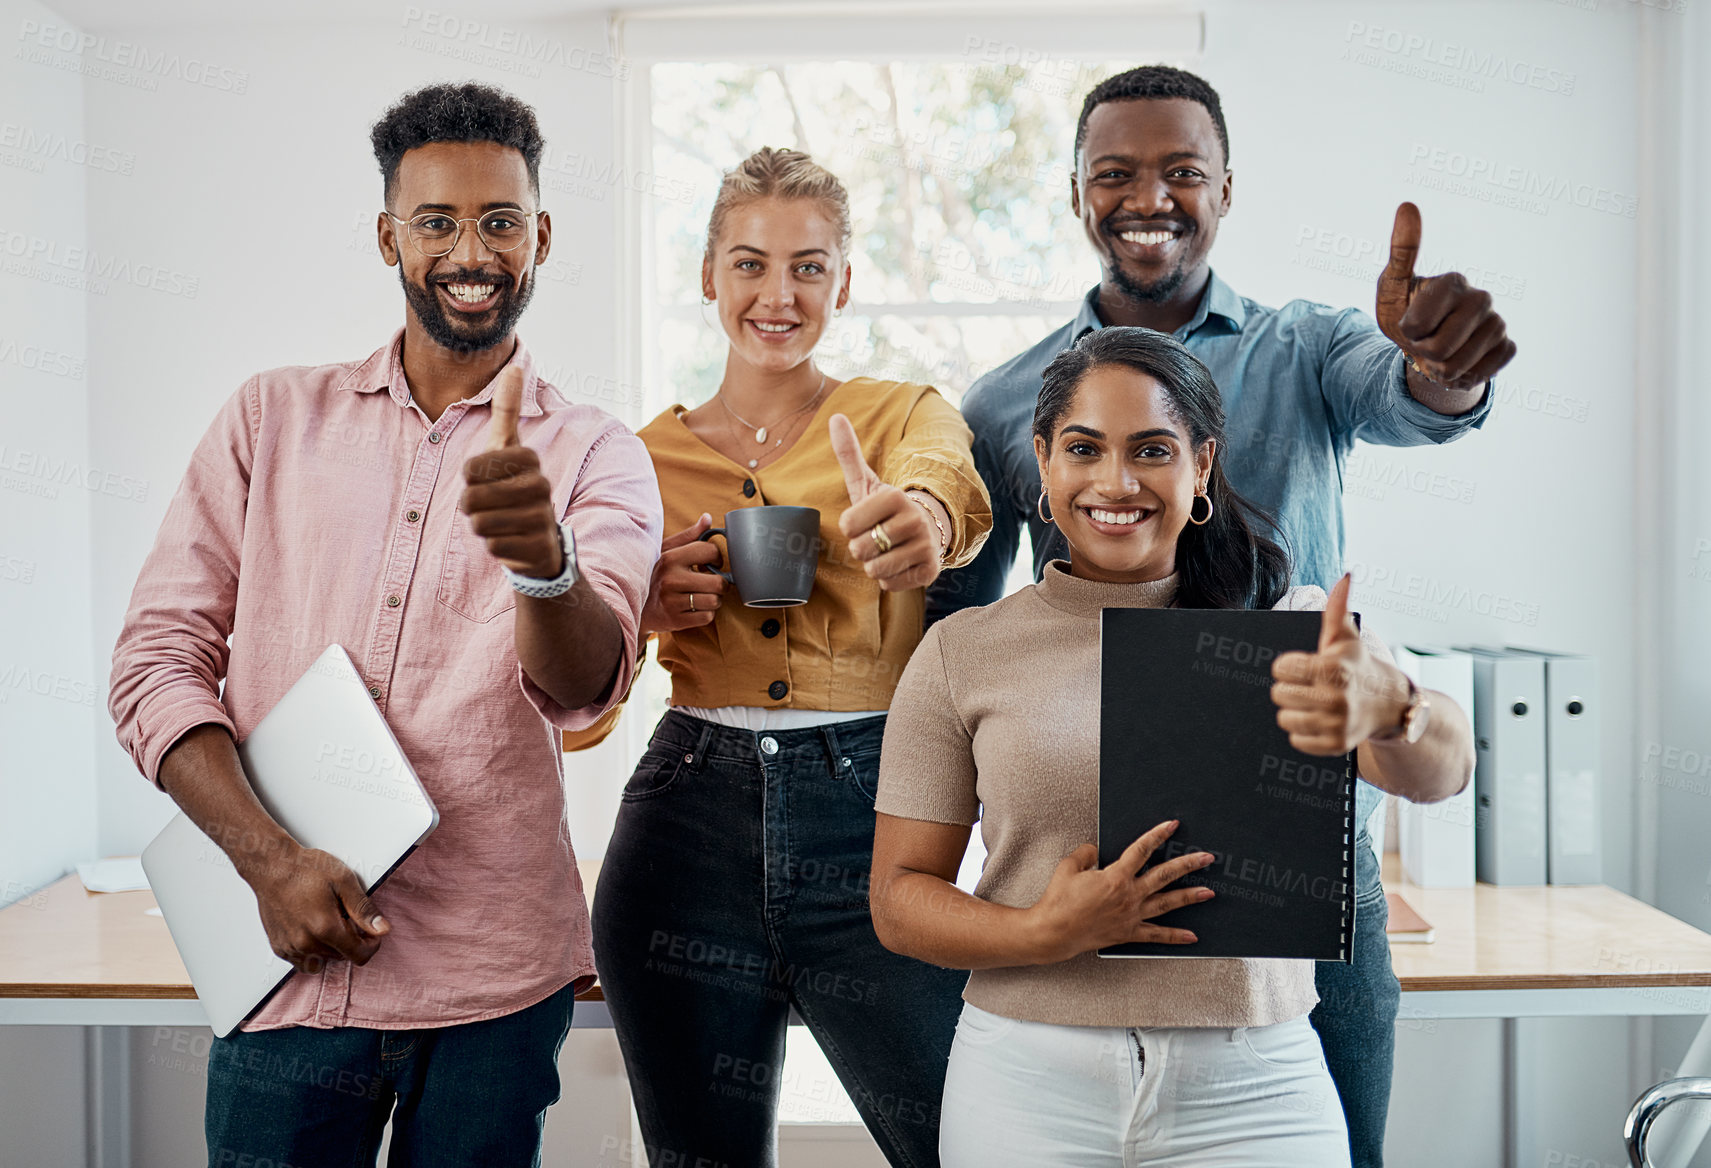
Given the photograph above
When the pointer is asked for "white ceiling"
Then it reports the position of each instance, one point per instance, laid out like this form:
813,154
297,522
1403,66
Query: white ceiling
97,15
104,14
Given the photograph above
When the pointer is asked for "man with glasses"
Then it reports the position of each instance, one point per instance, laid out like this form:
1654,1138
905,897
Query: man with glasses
482,549
1300,384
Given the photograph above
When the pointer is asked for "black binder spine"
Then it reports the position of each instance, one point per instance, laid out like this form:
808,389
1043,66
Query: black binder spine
1350,834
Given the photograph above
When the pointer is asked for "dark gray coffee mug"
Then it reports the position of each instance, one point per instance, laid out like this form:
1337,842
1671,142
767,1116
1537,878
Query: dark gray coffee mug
773,552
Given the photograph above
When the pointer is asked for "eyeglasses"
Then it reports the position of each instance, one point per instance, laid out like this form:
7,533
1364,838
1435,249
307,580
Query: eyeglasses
434,233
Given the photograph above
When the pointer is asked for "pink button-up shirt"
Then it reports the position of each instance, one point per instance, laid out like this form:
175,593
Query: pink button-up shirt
322,507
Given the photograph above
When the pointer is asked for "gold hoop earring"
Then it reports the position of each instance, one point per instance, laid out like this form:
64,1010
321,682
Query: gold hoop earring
1208,519
1040,509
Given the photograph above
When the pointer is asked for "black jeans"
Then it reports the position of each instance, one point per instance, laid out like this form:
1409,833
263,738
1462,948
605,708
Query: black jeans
306,1098
734,889
1356,1017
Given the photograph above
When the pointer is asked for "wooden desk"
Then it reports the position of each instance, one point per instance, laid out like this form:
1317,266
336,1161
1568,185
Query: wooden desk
1550,938
1516,953
78,958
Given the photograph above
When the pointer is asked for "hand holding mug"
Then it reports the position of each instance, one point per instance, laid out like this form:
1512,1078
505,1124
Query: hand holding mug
508,500
1333,700
686,588
891,536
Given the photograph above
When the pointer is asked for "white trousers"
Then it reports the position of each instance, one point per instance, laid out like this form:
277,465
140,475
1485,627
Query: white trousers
1030,1093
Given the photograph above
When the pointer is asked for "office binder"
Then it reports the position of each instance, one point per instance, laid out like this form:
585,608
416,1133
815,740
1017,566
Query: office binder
1437,839
1188,731
1509,768
1573,853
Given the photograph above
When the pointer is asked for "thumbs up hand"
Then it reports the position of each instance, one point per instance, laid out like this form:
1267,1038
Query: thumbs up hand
892,533
508,500
1445,326
1332,700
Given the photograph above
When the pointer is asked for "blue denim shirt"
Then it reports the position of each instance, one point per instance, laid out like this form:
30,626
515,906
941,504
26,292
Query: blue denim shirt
1300,383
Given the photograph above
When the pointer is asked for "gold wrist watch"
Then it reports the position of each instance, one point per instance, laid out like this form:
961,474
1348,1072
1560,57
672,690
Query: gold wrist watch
1415,714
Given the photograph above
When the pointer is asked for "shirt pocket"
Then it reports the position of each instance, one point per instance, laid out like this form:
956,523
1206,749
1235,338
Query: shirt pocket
472,583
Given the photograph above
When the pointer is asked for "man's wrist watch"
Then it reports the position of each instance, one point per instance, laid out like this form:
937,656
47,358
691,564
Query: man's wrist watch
558,585
1411,727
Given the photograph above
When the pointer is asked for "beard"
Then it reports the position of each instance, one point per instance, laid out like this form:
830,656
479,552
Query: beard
461,335
1166,285
1159,290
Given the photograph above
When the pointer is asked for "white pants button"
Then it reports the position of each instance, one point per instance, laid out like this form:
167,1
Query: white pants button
769,745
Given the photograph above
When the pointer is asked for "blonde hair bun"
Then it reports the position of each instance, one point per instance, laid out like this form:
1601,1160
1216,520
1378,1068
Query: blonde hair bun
770,173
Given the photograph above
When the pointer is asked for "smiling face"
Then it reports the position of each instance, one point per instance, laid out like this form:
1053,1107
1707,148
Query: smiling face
1120,475
776,273
471,298
1150,188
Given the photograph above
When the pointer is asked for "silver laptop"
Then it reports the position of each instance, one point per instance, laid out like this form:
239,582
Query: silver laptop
327,768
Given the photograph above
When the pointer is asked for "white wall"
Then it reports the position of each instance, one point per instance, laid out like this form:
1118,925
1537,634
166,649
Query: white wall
1327,136
1673,747
50,690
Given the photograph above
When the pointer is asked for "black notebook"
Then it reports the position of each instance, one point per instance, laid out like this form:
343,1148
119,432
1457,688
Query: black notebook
1188,731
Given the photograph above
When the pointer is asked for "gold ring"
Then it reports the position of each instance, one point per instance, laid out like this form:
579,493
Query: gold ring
881,540
692,602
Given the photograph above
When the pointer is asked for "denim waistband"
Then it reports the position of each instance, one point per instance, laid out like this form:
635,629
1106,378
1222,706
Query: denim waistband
678,731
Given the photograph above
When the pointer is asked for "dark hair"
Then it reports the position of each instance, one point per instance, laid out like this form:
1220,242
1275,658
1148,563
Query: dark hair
449,112
1157,82
1227,562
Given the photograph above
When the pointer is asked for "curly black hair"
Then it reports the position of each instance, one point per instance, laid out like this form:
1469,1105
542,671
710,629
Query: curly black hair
451,112
1153,81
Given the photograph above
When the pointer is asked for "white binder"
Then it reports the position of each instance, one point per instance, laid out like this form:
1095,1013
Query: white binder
1573,852
1437,839
1509,768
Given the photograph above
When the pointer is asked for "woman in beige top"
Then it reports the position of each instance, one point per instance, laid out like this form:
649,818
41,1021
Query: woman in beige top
1062,1057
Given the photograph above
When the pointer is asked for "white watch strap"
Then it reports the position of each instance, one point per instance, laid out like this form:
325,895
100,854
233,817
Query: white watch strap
560,584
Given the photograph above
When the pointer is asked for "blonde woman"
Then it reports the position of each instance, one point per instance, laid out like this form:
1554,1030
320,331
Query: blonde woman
735,888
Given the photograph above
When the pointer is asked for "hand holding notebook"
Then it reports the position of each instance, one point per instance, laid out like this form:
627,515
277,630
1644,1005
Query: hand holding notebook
1089,907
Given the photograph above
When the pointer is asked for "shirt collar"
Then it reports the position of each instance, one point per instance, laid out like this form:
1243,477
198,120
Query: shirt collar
1219,300
384,369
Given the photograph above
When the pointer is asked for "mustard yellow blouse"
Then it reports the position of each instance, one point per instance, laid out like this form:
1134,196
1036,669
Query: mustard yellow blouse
846,648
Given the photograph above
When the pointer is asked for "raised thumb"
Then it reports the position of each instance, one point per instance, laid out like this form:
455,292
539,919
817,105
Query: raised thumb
507,407
847,447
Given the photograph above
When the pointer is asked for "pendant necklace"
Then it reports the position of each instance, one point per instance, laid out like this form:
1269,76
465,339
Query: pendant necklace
760,431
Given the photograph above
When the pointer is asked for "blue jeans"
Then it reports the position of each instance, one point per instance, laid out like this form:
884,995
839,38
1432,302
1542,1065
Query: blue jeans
735,889
464,1095
1356,1017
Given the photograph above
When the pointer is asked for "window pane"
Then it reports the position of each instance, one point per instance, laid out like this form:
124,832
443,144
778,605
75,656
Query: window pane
959,195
